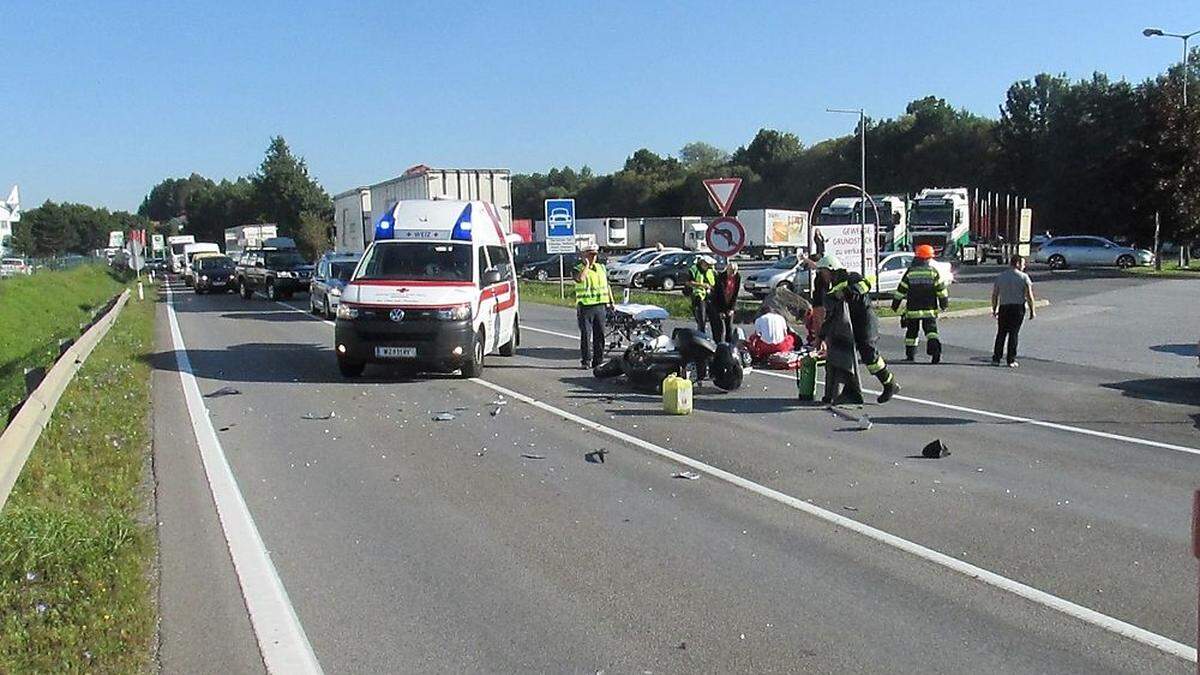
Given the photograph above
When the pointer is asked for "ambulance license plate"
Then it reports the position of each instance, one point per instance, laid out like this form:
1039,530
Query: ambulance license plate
396,352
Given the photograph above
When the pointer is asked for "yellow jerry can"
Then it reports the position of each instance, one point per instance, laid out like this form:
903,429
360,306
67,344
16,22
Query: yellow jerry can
677,395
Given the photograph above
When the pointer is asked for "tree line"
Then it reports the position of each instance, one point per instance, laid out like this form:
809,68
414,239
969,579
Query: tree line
280,192
1091,156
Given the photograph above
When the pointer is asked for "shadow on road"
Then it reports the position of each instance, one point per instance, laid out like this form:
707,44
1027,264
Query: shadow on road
1184,349
1181,390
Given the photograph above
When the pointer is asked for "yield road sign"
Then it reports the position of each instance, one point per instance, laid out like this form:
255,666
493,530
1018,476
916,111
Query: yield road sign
725,236
722,191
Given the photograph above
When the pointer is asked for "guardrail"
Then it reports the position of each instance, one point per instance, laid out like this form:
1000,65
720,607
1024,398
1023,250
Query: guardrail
34,413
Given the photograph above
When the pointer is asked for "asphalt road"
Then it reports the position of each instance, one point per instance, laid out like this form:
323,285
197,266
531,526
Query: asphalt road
491,544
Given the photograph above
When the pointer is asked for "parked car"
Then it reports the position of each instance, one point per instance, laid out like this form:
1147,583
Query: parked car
626,273
278,272
213,274
329,279
544,270
1078,251
781,273
11,267
670,272
894,265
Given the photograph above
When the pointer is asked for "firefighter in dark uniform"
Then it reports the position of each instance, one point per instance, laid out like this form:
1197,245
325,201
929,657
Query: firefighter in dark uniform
852,288
925,295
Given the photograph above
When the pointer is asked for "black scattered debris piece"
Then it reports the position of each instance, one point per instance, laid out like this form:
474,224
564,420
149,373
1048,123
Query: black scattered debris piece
530,455
850,508
935,450
223,391
687,475
595,456
318,416
443,417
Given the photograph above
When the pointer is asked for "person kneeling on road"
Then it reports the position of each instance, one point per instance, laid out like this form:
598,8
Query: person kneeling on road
701,283
855,291
926,295
771,336
592,300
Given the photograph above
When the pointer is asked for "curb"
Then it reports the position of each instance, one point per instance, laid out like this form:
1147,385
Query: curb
26,427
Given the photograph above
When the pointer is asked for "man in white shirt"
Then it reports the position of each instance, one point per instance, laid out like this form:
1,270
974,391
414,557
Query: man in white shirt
770,336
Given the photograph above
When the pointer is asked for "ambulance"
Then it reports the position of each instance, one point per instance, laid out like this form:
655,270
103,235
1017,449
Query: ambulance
434,291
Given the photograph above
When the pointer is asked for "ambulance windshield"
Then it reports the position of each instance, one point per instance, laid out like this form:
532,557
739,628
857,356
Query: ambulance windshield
418,261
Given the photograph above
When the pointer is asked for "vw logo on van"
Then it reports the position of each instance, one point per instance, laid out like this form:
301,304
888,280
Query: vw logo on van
396,315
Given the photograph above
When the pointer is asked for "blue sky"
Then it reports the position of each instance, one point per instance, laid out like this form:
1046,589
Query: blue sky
104,99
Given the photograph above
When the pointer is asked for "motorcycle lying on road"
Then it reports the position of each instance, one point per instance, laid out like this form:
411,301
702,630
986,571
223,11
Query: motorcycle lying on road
651,356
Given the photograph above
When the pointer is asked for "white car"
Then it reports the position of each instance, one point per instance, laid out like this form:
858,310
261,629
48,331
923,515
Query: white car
893,267
11,267
622,273
762,282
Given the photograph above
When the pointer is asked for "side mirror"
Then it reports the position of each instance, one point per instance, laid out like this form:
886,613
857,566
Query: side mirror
490,277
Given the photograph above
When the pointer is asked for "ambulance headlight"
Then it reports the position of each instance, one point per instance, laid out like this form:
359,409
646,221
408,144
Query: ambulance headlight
455,313
346,312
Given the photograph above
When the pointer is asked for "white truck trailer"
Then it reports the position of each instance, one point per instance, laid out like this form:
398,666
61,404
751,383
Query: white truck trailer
356,211
610,234
242,237
773,232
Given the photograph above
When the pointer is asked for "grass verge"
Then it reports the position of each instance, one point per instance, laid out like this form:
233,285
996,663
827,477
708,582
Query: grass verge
36,312
76,545
1168,271
680,306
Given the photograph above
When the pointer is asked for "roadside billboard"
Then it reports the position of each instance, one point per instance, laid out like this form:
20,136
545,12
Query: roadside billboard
845,242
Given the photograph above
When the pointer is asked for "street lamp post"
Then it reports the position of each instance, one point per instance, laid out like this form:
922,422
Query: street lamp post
1158,32
862,183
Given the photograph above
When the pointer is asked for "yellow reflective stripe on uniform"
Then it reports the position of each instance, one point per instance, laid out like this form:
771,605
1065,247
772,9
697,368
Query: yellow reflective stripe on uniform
920,313
910,342
877,366
931,336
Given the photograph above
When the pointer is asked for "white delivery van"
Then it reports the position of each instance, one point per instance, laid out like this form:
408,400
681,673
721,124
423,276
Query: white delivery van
175,255
435,290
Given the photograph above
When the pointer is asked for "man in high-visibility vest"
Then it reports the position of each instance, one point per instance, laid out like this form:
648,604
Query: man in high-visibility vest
592,300
703,278
925,294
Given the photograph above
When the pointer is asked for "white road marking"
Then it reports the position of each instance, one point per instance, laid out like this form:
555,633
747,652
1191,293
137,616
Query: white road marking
974,411
281,638
1003,583
1085,614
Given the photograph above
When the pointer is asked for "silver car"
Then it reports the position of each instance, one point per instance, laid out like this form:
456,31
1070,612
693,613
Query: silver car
782,273
1061,252
332,272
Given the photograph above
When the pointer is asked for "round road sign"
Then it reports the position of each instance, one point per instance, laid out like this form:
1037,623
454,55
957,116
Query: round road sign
725,236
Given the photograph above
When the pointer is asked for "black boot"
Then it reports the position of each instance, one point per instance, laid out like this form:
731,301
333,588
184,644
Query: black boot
889,390
935,351
910,353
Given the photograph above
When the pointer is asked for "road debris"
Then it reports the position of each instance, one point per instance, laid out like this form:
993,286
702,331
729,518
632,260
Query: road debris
481,453
223,391
688,475
530,455
596,456
500,401
850,508
496,410
935,450
318,416
443,417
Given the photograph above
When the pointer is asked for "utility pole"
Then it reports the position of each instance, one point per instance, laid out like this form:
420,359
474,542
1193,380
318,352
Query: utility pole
862,184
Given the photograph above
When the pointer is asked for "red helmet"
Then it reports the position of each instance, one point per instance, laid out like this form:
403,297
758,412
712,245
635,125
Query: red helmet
924,251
